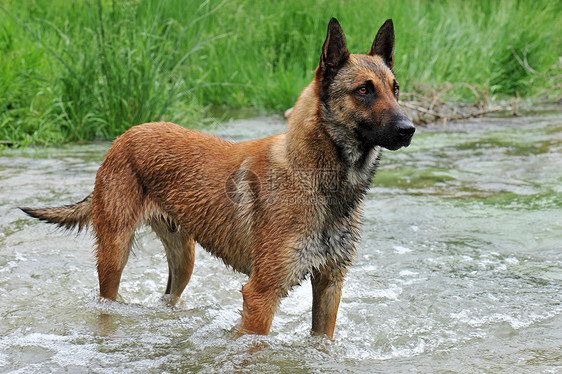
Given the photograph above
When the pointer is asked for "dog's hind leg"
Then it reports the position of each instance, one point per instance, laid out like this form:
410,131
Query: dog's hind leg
180,252
117,208
112,257
114,241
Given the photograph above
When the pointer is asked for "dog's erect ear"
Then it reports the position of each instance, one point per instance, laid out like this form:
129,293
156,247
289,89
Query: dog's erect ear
334,50
384,43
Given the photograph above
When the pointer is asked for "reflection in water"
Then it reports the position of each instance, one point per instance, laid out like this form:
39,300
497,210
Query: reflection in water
459,269
106,324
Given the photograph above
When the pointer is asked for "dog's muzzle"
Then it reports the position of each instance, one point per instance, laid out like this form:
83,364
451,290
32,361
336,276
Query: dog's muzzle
404,132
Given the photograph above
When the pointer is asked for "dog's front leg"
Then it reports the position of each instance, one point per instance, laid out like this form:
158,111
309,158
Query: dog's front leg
260,304
326,294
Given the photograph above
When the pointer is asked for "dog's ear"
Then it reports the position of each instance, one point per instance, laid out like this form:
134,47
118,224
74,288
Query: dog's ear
334,50
383,45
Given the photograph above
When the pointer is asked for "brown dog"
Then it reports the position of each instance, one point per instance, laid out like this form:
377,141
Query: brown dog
277,209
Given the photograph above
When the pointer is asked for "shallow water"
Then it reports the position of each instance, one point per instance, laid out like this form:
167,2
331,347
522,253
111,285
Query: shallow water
459,269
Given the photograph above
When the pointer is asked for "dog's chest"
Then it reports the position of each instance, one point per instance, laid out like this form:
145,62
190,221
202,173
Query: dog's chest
334,240
333,243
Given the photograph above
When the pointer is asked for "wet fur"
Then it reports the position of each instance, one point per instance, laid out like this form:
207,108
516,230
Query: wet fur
278,209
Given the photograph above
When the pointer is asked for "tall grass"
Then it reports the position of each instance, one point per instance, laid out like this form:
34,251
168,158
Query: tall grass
110,66
81,70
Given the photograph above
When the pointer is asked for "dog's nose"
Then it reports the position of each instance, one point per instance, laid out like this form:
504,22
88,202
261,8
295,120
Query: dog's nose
406,129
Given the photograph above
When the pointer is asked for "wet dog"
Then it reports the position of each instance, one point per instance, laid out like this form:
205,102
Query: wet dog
278,209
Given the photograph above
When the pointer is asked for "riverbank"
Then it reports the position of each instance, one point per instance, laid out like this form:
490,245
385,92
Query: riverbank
76,71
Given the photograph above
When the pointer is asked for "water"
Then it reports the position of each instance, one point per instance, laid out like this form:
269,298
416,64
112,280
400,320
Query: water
459,269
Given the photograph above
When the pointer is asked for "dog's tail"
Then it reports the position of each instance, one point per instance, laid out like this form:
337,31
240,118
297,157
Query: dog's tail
68,216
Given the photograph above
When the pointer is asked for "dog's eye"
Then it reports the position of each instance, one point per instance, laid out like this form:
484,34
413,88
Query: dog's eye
362,90
396,90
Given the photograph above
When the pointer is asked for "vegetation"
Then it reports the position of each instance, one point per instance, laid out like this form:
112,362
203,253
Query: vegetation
81,70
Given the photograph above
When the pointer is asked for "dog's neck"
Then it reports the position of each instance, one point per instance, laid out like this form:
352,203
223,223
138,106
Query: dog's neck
308,143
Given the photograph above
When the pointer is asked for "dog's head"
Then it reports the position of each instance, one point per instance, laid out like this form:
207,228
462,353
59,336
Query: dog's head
359,93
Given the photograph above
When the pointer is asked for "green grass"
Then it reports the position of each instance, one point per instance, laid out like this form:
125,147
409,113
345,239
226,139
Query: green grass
80,70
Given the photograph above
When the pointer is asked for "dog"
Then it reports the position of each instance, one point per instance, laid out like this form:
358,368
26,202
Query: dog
279,209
